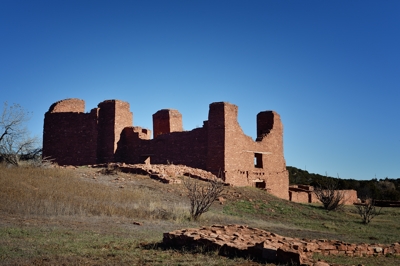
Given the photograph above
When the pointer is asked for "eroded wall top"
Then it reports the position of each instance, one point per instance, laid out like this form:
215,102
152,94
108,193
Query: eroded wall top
68,105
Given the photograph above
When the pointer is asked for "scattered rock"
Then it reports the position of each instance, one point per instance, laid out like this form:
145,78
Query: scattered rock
165,173
221,200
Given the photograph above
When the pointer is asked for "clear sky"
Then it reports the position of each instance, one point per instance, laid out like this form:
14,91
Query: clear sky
331,69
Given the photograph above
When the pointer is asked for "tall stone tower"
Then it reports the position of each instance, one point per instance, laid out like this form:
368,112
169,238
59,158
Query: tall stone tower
114,116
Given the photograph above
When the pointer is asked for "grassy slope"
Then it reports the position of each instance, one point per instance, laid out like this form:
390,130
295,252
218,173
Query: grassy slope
55,216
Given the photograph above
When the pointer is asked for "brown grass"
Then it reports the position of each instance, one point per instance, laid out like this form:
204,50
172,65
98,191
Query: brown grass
60,192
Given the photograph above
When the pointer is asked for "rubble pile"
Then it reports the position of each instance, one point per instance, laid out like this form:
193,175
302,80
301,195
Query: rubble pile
166,173
240,240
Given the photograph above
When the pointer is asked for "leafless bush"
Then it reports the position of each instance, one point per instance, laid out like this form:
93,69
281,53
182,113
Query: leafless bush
15,141
329,195
202,195
367,210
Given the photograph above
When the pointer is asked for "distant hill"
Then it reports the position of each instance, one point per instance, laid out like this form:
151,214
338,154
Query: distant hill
382,189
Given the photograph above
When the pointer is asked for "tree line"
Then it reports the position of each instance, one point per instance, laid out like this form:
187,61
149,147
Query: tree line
377,189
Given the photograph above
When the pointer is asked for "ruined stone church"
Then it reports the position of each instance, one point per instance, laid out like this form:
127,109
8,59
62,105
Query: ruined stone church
106,134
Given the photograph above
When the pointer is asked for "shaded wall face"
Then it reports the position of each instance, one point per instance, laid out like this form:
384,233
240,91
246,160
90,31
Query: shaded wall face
167,121
70,138
76,138
216,139
114,116
186,148
123,119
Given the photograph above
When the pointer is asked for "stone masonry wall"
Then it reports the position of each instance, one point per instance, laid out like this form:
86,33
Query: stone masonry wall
70,135
240,151
167,121
114,116
186,148
305,194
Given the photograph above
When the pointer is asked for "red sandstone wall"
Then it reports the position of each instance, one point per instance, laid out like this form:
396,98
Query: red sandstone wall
114,116
69,135
68,105
167,121
73,137
304,194
225,134
298,196
216,139
186,148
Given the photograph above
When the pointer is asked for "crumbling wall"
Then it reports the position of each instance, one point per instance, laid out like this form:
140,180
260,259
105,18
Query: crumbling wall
240,240
167,121
299,196
186,148
114,116
70,135
305,194
243,161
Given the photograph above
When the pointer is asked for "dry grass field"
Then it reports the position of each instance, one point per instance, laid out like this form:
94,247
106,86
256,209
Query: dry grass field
81,216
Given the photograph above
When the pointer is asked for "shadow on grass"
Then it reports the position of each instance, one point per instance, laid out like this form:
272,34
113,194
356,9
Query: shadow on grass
208,249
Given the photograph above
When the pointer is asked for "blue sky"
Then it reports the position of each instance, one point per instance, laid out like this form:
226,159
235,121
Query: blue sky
331,69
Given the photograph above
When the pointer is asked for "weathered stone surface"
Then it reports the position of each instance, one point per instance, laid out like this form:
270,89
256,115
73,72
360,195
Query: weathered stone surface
72,137
253,242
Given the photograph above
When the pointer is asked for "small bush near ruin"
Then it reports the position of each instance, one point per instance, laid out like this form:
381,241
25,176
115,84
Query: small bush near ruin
367,210
202,195
329,195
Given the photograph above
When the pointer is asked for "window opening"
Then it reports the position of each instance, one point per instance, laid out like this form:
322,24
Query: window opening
258,163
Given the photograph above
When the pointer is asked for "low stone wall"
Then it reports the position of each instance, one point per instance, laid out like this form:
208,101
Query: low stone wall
305,194
240,240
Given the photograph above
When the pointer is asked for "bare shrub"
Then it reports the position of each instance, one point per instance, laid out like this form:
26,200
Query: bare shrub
202,195
329,195
367,210
15,141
